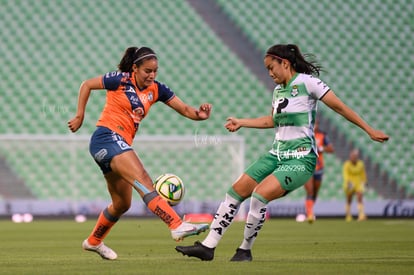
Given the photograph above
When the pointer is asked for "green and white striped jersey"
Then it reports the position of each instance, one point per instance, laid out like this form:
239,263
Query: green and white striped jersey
294,111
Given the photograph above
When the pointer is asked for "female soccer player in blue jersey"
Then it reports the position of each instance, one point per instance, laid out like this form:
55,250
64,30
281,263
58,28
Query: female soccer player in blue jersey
291,160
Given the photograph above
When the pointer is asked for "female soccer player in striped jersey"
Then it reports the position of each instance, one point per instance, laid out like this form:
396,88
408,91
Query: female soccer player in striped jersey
291,160
130,93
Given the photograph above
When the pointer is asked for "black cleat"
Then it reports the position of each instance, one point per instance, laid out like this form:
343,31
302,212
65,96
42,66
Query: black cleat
197,250
242,255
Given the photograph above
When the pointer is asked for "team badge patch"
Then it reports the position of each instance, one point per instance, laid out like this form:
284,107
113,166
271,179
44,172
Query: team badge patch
294,91
150,96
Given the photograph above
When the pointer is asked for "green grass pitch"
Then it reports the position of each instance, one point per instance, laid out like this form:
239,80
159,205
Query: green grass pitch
144,246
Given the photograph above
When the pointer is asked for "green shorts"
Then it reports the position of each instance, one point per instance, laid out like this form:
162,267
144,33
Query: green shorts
292,173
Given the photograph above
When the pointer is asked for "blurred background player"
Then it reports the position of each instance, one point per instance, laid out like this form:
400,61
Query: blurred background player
354,175
313,185
131,92
291,161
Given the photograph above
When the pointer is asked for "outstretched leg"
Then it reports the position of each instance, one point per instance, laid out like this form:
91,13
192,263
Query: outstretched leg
224,217
268,190
130,167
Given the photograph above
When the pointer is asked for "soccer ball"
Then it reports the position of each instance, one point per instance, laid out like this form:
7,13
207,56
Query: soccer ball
170,187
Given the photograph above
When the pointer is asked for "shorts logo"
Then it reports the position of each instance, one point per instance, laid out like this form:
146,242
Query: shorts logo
123,145
288,180
99,156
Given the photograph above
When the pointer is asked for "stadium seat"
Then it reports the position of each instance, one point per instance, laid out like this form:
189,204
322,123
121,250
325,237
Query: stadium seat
363,44
53,46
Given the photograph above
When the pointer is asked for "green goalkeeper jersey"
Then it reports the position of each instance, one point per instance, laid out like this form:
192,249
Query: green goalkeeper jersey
294,111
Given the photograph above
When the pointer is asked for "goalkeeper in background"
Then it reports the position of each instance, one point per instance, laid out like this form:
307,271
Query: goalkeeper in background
355,178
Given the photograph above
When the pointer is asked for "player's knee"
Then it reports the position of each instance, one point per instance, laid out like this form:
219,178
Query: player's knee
244,186
121,207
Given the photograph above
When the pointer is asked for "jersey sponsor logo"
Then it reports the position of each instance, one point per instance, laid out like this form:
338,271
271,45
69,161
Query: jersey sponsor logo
138,114
112,74
134,99
281,104
293,154
291,168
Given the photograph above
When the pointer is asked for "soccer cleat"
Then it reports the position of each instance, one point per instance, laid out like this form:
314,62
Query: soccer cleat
362,217
103,251
311,219
242,255
348,218
197,250
188,229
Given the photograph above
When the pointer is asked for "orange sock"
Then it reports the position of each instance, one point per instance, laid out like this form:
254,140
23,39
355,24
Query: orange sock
162,209
309,207
102,227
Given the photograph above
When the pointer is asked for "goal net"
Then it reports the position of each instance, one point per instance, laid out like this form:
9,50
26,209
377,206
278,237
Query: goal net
60,167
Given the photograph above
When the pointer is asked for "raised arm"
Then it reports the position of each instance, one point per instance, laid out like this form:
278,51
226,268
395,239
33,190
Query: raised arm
233,124
202,113
84,92
332,101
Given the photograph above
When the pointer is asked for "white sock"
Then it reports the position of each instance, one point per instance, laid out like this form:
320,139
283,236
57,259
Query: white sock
223,219
255,219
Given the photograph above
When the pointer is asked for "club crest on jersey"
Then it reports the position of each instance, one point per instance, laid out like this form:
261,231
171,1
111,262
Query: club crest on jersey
150,96
294,91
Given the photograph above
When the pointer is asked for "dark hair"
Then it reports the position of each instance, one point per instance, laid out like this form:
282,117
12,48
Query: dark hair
135,55
298,60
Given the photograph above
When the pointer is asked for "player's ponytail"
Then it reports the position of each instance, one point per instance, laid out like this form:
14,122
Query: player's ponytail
301,63
127,60
135,55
